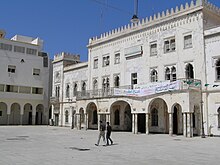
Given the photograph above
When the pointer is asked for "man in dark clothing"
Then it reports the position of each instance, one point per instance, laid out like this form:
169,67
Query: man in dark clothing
108,133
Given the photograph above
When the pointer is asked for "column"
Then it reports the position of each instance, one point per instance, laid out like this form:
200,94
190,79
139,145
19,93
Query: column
184,125
99,117
188,125
135,124
33,119
191,125
87,121
147,123
21,119
133,121
8,119
170,124
108,118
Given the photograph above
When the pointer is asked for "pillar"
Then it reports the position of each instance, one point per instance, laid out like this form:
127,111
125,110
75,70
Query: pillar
191,125
170,124
8,119
33,119
99,117
21,119
184,125
87,121
135,124
188,125
147,123
133,121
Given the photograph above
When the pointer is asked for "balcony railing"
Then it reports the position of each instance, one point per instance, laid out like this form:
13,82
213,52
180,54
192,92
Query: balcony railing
184,84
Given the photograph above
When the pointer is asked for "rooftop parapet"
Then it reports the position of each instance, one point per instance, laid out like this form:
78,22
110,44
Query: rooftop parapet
66,56
26,39
156,18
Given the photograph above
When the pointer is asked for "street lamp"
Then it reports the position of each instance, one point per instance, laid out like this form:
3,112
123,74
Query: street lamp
135,18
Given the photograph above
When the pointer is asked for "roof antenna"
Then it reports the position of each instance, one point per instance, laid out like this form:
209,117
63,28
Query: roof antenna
135,18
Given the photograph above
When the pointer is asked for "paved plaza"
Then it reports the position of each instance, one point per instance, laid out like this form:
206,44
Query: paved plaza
48,145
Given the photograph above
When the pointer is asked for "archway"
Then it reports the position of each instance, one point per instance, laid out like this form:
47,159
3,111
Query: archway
158,118
177,120
92,116
27,116
39,114
120,116
3,113
15,114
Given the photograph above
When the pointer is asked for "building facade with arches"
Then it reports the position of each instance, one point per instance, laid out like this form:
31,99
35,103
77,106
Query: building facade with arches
24,83
161,75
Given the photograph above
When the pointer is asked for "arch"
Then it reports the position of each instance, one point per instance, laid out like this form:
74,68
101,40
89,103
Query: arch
15,114
91,111
67,90
167,73
158,116
39,114
177,119
189,71
27,116
154,76
83,88
120,116
173,73
217,68
116,81
218,111
95,87
75,89
3,113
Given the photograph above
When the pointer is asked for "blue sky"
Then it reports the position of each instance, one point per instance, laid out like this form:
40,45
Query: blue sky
67,25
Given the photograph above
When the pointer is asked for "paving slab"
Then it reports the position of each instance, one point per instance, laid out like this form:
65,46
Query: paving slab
49,145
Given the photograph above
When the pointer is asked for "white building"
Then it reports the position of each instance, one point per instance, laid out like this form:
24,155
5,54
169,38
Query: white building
161,75
24,81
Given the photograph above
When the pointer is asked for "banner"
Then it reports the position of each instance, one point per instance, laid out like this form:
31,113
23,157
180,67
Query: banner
148,89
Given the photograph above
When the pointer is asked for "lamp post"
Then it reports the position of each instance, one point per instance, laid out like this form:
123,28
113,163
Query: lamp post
135,18
203,133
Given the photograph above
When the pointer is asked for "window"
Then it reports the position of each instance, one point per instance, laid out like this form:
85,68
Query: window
0,113
117,58
106,61
75,89
11,68
67,90
37,90
133,79
153,76
95,63
95,87
117,117
189,71
11,88
31,51
116,81
57,91
153,49
169,45
218,117
170,74
66,116
188,41
5,47
217,67
133,52
36,72
105,85
23,89
19,49
154,118
83,88
95,118
2,87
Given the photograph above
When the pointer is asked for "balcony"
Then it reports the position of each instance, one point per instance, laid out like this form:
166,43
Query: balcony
54,100
145,90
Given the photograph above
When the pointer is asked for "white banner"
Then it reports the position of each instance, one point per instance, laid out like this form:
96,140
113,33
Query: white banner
148,89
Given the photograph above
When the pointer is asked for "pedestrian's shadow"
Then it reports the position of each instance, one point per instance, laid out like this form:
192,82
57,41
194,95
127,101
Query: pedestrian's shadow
110,145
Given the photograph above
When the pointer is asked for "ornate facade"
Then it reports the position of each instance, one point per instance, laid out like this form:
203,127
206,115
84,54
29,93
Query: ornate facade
161,75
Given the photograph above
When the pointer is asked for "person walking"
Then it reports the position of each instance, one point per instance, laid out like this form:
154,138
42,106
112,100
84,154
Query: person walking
101,133
108,134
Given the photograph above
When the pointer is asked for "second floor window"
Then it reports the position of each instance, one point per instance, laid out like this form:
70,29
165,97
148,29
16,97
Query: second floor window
116,81
95,63
153,76
217,67
189,71
133,78
57,91
169,45
75,89
153,49
36,72
187,41
106,61
11,68
67,90
117,58
170,73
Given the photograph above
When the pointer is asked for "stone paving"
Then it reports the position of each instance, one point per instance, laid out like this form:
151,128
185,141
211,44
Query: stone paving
48,145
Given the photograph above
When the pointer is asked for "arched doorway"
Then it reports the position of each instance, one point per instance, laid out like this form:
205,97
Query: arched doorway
39,114
177,120
158,116
15,114
120,116
92,116
27,116
3,113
